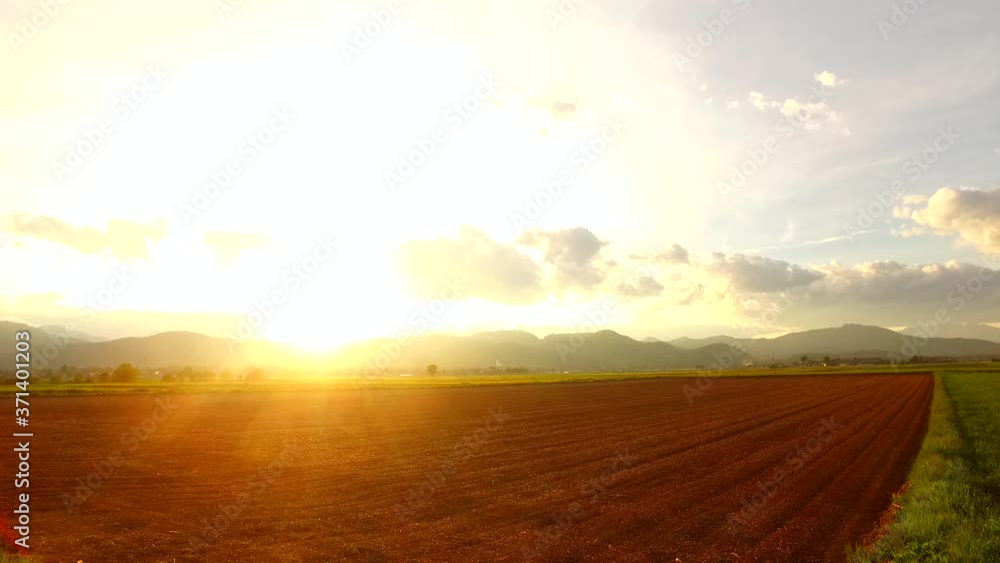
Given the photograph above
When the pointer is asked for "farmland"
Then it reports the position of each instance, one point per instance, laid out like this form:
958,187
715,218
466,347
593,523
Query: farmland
951,512
790,468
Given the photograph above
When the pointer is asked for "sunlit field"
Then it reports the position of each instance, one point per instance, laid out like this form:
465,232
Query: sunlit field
499,280
315,381
624,466
950,511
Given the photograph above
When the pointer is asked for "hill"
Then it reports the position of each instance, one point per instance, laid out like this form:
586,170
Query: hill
851,340
601,351
960,330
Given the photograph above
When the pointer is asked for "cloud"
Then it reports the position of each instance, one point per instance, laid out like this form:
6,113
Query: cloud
970,214
643,286
757,274
229,246
676,254
889,293
563,110
789,233
693,294
811,115
474,262
526,271
574,254
124,239
829,79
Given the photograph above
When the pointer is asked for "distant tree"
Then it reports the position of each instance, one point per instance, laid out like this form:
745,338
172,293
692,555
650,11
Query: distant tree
432,369
168,377
253,374
125,373
186,374
104,376
804,359
826,359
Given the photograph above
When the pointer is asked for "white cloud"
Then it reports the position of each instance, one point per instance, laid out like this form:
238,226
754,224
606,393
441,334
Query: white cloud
124,239
971,214
811,115
644,286
829,79
573,253
474,262
757,274
228,247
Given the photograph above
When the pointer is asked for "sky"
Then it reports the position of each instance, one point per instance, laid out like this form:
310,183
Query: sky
319,173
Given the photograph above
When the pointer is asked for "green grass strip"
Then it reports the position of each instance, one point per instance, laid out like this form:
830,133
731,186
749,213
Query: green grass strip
951,511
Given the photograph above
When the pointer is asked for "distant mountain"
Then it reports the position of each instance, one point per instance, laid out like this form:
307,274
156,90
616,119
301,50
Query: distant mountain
52,348
960,330
39,340
600,351
605,350
692,343
81,336
850,340
506,337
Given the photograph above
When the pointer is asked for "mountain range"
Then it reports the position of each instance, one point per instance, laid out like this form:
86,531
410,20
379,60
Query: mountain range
850,341
960,330
600,351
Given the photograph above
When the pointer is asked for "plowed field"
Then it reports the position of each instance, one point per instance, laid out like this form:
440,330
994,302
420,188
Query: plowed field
753,469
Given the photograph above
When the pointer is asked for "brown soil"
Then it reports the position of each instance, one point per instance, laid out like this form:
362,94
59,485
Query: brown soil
620,471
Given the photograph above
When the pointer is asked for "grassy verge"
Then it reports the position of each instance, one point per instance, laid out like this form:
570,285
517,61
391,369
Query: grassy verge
951,512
